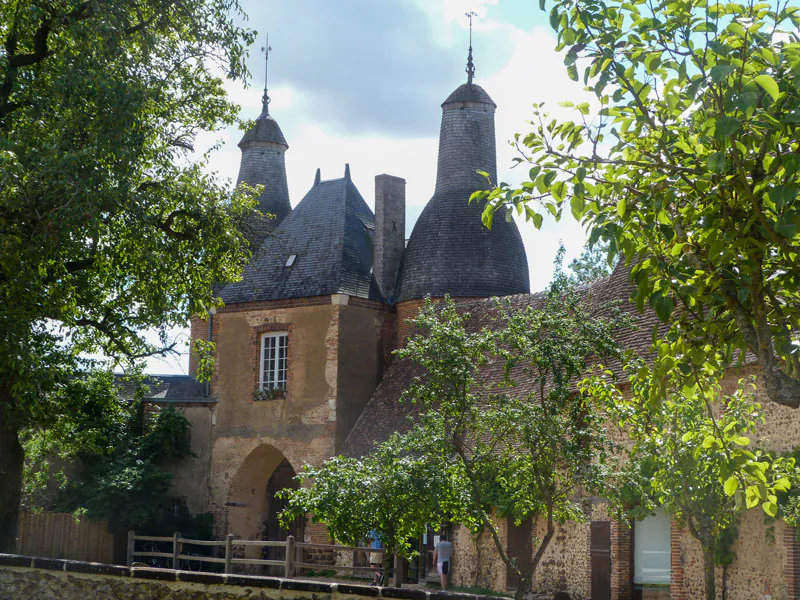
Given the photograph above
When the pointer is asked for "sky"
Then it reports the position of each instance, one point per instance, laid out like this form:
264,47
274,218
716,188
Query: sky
362,82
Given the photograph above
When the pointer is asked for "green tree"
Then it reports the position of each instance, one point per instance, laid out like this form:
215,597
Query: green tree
116,452
500,401
396,490
686,162
692,454
593,263
106,227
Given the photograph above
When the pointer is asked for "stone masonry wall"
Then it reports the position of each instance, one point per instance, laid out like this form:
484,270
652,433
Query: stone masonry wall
51,579
756,572
478,564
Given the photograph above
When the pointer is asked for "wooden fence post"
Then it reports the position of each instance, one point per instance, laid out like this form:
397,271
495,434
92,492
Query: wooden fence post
175,550
289,570
228,552
130,549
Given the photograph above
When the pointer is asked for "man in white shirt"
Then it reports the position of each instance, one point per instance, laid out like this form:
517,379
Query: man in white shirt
441,558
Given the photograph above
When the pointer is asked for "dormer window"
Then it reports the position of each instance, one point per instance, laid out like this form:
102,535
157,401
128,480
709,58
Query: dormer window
274,351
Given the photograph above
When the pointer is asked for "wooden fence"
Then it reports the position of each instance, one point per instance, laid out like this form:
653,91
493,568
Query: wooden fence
60,535
225,552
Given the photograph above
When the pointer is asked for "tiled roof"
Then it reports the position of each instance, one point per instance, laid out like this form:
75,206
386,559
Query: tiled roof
469,92
266,129
169,389
330,234
386,413
451,252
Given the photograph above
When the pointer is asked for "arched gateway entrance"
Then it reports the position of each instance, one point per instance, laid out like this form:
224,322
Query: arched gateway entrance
252,505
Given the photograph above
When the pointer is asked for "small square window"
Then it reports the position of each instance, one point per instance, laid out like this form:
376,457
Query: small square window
274,361
291,259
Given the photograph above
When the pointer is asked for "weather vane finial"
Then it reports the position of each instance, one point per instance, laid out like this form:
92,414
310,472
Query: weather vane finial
266,100
470,64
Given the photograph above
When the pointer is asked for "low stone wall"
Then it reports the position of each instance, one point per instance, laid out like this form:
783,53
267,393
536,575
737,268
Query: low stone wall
53,579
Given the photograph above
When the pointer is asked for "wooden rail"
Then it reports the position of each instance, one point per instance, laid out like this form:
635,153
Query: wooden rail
289,564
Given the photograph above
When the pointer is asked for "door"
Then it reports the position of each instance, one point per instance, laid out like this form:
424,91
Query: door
519,547
600,553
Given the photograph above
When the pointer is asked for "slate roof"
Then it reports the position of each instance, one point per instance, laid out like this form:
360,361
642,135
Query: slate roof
386,413
266,129
451,252
330,232
168,389
469,92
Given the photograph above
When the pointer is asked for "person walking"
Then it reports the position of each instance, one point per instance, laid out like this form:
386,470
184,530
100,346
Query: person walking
375,557
442,555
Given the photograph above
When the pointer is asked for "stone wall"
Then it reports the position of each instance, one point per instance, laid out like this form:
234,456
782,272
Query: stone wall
756,572
476,561
51,579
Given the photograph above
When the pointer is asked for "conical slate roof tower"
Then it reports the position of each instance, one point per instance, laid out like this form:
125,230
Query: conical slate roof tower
263,163
450,251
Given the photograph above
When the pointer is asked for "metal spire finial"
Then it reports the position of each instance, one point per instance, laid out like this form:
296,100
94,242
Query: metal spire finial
470,64
266,99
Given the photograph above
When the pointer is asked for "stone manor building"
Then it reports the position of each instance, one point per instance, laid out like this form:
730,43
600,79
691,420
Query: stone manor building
304,365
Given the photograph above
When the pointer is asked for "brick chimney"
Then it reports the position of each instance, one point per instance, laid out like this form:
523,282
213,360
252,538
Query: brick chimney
390,231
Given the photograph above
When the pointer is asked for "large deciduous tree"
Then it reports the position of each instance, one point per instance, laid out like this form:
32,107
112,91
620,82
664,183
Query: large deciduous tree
106,226
687,160
518,439
691,452
395,491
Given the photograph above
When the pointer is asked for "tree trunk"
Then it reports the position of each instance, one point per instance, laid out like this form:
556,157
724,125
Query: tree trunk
388,558
522,588
724,582
708,572
478,557
11,462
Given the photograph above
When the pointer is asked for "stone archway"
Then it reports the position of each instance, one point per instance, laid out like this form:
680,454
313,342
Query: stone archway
252,505
282,477
272,530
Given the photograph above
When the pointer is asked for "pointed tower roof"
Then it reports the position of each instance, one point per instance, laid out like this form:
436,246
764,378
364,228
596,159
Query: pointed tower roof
450,251
265,130
263,148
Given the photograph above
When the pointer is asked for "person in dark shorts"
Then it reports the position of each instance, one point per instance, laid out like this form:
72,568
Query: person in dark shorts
442,555
375,558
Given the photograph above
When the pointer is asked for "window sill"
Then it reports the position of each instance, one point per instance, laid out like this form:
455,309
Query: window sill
261,395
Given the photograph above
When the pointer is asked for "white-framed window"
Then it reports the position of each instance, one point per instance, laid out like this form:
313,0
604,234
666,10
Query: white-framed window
652,556
274,348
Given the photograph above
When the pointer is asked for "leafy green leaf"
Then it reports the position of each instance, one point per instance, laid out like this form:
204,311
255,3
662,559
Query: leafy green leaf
768,84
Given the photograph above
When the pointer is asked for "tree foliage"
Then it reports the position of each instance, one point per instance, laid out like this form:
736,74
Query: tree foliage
686,161
395,491
115,452
592,264
106,227
500,401
692,453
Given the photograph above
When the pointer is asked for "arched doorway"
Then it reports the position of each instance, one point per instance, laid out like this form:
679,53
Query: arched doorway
282,477
252,506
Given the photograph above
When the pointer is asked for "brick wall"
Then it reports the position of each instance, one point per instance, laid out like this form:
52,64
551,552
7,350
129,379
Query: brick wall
621,561
199,331
405,311
676,567
390,231
791,563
